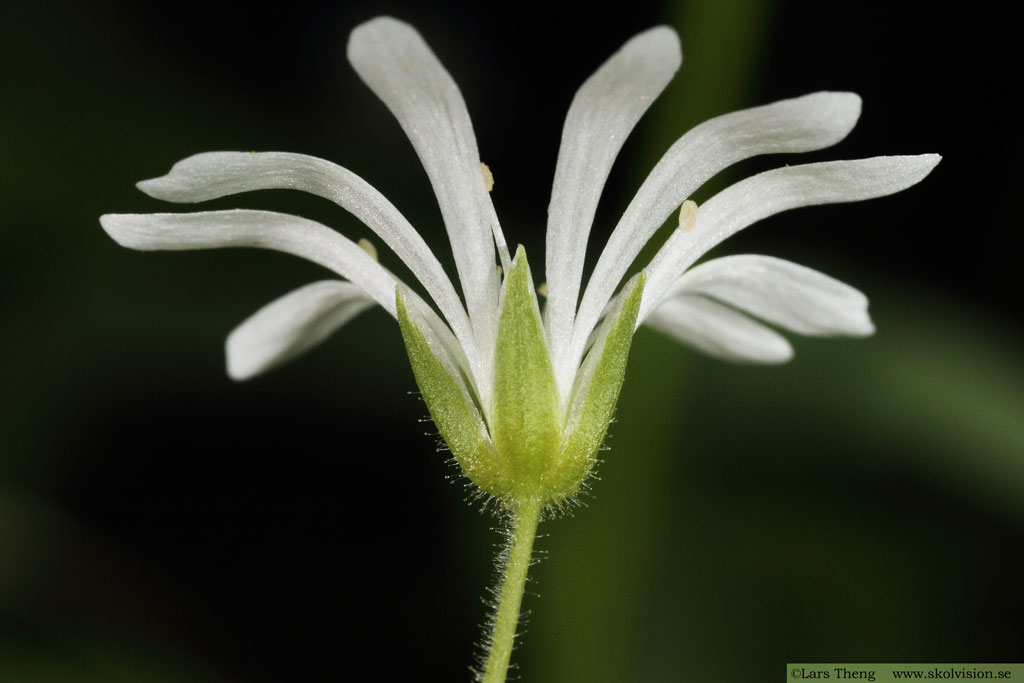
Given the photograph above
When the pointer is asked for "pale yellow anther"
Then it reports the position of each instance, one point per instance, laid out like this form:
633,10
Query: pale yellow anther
367,246
688,215
542,289
488,176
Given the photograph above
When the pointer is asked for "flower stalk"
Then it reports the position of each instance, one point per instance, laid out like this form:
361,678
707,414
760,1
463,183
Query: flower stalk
517,558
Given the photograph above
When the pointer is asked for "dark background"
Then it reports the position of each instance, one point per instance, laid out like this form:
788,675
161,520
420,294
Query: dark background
161,523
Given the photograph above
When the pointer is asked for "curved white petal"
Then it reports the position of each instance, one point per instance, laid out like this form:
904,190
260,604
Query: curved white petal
601,116
800,124
217,174
260,229
396,63
771,192
719,331
781,292
291,325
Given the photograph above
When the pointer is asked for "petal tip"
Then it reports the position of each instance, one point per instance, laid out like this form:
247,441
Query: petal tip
385,21
777,353
850,102
659,46
152,186
238,373
665,38
916,168
865,327
117,226
930,161
839,110
379,29
240,365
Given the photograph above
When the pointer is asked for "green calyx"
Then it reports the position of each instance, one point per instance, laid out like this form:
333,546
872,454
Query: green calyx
529,447
526,424
596,394
448,400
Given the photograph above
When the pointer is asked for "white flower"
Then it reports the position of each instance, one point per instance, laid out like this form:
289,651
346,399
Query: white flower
501,384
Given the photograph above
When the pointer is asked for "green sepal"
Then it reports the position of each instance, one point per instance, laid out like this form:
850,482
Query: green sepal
526,425
449,403
595,395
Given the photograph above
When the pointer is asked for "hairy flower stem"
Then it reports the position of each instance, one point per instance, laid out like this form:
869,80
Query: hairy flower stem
506,617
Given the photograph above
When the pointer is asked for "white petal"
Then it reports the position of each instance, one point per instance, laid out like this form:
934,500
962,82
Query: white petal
260,229
801,124
291,325
783,293
771,192
601,116
217,174
395,62
719,331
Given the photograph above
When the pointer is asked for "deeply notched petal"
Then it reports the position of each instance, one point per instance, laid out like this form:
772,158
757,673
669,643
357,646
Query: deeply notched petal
291,325
260,229
394,61
771,192
719,331
801,124
602,114
791,296
217,174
